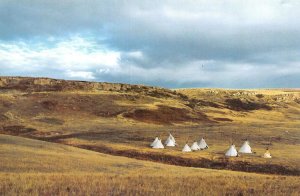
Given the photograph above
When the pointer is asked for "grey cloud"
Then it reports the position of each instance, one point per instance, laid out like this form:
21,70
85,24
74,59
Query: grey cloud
171,35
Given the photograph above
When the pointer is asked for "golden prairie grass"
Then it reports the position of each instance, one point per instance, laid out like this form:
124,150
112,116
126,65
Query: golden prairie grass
30,167
138,184
20,160
283,146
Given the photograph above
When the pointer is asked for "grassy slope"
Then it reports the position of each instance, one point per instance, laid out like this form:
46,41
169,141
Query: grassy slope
97,118
127,120
35,167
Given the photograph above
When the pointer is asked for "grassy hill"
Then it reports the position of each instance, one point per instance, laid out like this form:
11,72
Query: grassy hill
35,167
33,97
122,119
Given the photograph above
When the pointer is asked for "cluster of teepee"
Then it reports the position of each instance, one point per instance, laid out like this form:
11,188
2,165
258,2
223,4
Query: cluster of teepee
171,142
245,148
202,145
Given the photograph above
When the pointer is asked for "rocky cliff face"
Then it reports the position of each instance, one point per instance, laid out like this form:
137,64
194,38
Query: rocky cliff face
29,84
47,84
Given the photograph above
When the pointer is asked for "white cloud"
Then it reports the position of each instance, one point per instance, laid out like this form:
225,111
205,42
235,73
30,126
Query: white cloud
83,59
245,43
135,54
74,58
87,75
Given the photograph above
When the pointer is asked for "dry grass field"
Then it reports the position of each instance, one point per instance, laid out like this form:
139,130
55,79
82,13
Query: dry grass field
31,167
120,119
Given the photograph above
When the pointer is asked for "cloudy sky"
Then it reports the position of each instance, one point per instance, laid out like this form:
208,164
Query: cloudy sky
212,43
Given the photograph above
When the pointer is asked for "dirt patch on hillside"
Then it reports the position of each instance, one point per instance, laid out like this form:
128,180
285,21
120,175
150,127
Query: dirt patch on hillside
52,121
192,103
3,117
223,119
166,115
16,130
5,103
112,136
239,105
49,104
98,105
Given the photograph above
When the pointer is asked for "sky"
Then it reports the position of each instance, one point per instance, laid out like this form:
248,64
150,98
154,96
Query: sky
173,44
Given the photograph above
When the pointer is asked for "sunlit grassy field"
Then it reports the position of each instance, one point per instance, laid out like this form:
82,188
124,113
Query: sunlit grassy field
114,119
87,118
41,168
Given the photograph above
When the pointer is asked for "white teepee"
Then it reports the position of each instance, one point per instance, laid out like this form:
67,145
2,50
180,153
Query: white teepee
195,146
158,144
153,143
245,148
186,148
202,144
231,152
170,143
267,154
170,138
